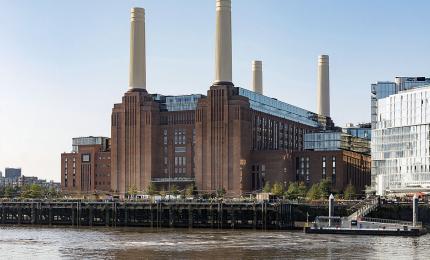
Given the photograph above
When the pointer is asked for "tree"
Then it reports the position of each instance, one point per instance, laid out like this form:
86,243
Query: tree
296,190
9,192
325,188
33,191
349,192
302,190
267,187
292,192
174,190
163,191
132,191
190,190
53,193
151,189
220,192
278,189
314,192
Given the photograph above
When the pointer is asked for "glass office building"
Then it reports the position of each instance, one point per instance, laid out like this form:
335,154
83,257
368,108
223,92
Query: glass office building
400,142
360,130
383,89
333,141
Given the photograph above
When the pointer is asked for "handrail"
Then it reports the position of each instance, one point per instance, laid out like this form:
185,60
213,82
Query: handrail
391,221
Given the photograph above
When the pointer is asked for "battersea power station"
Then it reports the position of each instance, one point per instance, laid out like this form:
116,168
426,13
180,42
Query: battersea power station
230,138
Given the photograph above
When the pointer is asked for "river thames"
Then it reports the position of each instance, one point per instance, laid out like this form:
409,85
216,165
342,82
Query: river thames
144,243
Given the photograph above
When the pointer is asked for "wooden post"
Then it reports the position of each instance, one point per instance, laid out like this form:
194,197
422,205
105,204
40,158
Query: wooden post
233,217
152,215
171,217
50,214
255,216
33,213
3,214
125,215
212,215
73,214
107,220
90,215
19,213
190,216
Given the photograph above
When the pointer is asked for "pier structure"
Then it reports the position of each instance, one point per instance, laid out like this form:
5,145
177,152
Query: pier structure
150,214
358,224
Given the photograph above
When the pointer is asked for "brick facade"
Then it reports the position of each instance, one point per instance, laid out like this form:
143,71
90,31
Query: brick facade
86,171
224,143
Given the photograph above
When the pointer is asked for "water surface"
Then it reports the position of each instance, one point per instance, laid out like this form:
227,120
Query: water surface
145,243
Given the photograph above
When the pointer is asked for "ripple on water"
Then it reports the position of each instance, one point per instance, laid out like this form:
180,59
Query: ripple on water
128,243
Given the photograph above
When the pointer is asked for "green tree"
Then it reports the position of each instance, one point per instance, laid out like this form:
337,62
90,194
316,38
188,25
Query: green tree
151,189
33,191
52,193
267,187
292,192
296,190
349,192
325,188
278,189
36,191
190,190
302,190
314,192
163,191
220,192
9,192
174,190
132,191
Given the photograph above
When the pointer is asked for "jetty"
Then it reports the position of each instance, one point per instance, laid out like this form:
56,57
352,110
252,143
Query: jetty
251,215
358,224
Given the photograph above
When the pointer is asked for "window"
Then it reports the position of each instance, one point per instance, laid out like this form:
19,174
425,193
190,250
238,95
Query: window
323,167
165,136
86,158
180,149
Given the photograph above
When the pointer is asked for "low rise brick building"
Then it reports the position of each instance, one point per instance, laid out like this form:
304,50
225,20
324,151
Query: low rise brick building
87,169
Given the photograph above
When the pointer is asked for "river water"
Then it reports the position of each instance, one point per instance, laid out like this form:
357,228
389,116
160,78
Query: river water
145,243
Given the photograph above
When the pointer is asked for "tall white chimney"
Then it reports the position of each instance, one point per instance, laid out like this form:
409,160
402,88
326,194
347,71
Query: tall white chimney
323,86
137,78
257,76
223,57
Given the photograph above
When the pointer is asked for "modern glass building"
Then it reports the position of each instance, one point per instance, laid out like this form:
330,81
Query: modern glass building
400,142
383,89
360,130
333,141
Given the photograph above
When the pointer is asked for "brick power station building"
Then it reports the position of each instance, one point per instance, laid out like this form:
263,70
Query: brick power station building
231,138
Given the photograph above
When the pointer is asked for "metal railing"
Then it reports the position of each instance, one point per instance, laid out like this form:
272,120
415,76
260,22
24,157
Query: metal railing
391,221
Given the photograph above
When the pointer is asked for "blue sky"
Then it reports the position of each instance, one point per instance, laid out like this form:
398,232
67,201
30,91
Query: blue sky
63,64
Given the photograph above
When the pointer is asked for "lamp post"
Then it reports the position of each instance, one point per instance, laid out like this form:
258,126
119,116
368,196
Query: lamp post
414,210
330,208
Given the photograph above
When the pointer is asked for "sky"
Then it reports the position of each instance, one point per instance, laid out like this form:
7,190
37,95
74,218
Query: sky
63,64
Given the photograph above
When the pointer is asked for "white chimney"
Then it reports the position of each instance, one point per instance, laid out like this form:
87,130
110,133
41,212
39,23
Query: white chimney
137,79
323,86
223,56
257,76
